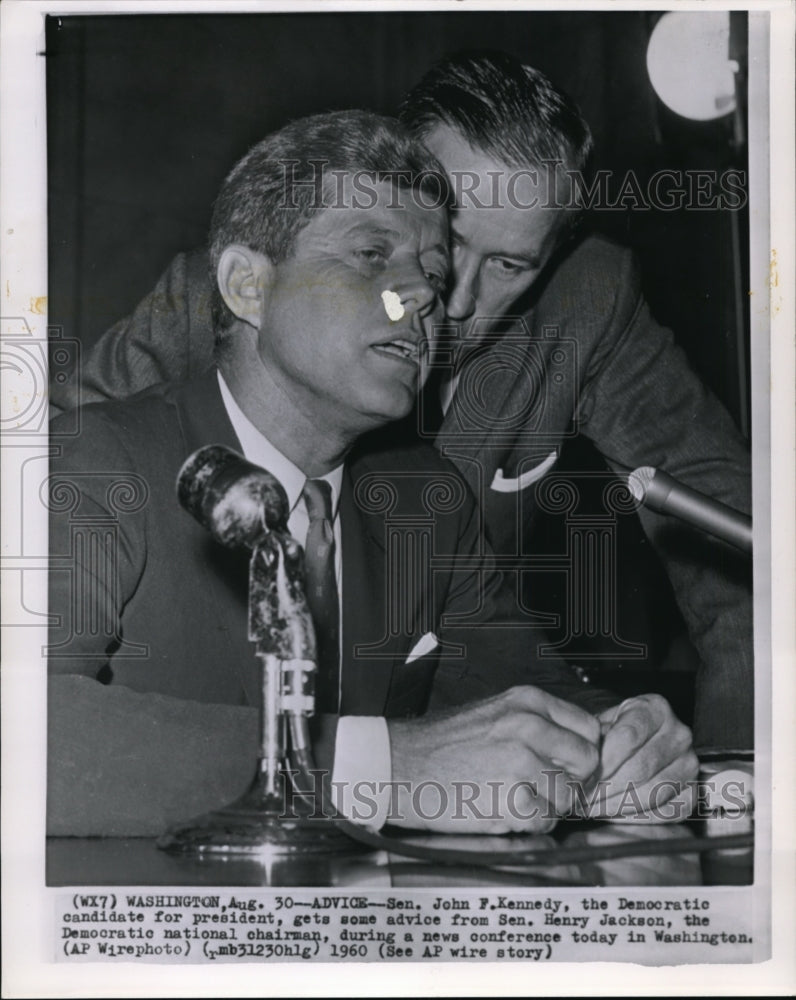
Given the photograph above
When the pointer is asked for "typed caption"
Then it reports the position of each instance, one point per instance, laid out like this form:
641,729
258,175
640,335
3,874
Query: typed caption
651,928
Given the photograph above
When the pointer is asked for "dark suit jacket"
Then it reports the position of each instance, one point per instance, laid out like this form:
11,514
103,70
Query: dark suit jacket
154,684
586,356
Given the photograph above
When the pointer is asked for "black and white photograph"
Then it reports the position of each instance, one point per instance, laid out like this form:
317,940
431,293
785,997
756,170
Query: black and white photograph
397,498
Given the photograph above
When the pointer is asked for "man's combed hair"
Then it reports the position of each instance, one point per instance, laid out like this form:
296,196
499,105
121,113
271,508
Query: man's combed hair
283,181
509,111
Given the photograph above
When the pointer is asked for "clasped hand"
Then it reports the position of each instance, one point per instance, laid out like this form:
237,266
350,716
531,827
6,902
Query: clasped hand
647,768
517,761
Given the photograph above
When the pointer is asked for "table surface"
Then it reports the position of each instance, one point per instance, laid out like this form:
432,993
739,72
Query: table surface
138,861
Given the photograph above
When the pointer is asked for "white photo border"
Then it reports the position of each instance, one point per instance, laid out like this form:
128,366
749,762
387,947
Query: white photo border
28,966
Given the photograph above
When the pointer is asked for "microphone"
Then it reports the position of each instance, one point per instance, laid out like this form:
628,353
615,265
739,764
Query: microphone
245,506
663,493
238,502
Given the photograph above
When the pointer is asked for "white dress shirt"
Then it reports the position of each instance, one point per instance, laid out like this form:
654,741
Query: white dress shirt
362,746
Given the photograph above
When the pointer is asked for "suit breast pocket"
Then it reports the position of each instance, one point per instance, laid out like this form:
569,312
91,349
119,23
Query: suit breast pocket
504,484
410,685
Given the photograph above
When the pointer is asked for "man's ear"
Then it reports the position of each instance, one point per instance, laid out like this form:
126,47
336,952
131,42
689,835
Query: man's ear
242,274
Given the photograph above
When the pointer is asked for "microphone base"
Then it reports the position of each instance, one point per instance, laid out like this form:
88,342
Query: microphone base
259,824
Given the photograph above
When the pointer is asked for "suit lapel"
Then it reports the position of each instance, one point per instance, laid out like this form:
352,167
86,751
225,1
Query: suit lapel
482,446
366,679
203,416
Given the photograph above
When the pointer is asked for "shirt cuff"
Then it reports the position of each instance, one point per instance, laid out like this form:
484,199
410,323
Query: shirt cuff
362,769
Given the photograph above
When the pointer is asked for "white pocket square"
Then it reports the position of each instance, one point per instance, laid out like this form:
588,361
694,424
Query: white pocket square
502,485
425,644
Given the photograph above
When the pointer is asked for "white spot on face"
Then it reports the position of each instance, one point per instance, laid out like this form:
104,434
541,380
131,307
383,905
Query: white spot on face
392,305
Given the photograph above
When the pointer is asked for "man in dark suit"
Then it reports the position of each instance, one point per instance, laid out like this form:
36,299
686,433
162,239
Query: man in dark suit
325,300
548,335
551,337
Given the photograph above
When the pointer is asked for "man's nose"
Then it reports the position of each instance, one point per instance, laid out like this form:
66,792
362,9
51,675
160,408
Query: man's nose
417,294
462,299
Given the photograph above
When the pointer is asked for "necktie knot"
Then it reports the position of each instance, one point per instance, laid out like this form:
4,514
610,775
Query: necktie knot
317,495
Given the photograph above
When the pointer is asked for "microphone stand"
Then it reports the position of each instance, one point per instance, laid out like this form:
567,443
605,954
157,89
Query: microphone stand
273,817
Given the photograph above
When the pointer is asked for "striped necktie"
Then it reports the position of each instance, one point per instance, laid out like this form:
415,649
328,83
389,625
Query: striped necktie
322,596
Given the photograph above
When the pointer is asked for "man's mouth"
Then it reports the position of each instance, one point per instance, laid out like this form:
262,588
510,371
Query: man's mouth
405,350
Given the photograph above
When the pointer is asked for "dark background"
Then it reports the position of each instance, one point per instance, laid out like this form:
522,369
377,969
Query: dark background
146,115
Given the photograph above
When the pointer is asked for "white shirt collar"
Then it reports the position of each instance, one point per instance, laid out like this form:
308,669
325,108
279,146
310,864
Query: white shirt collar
259,450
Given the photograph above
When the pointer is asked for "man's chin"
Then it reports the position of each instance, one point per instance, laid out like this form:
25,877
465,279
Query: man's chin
390,407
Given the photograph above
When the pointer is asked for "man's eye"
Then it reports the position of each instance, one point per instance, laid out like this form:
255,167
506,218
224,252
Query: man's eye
437,281
371,255
506,268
